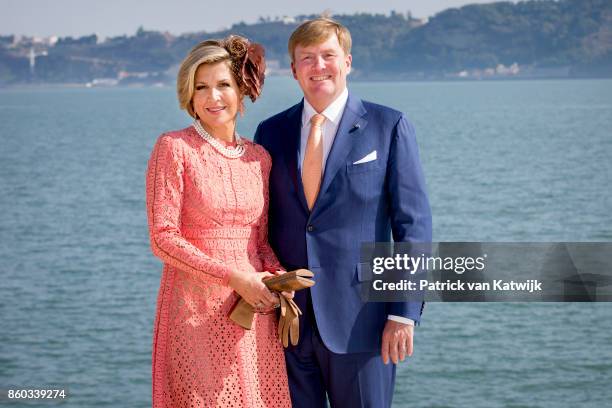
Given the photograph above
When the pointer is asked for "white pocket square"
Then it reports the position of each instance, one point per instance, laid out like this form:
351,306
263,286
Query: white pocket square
368,158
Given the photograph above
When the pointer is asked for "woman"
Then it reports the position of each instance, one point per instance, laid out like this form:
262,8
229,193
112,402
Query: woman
207,203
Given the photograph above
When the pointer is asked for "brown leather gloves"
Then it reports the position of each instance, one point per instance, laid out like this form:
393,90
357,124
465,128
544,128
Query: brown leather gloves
289,322
288,325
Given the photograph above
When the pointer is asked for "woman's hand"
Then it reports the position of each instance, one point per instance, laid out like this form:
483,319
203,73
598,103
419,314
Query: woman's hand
252,289
289,295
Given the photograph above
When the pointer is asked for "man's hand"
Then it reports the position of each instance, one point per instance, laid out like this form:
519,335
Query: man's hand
396,341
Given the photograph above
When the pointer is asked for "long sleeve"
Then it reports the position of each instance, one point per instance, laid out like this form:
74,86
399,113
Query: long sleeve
410,211
266,253
164,191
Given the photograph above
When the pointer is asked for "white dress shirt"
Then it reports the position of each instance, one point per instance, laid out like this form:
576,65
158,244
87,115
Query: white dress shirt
333,114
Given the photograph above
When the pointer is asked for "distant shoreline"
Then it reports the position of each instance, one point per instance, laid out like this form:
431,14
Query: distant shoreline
72,85
564,39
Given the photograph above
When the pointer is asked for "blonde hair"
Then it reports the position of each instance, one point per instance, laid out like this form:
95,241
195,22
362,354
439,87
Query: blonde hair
206,52
318,30
245,60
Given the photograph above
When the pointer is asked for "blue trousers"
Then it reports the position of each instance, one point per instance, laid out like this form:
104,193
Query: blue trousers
348,380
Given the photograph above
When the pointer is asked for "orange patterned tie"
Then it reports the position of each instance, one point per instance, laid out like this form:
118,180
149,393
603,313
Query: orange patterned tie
312,168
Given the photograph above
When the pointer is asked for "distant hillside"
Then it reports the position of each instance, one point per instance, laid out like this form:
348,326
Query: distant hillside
575,34
566,38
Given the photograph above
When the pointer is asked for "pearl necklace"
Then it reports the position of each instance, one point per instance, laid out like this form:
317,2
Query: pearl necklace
229,152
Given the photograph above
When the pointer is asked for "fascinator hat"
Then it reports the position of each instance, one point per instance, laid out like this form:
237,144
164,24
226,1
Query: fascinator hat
248,64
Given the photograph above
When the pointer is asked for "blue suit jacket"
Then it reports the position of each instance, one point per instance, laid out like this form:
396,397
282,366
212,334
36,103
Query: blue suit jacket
357,203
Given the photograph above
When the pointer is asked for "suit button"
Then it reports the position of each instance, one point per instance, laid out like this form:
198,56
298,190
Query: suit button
310,228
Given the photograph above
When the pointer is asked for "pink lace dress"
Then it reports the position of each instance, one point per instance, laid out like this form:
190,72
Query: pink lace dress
208,215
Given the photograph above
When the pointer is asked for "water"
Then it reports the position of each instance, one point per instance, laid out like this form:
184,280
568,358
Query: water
504,161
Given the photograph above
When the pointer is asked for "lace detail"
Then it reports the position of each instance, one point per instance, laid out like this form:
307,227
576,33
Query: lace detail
208,215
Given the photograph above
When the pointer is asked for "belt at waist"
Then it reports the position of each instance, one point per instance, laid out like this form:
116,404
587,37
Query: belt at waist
239,233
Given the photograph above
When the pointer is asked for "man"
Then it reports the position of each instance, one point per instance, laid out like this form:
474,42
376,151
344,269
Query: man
345,171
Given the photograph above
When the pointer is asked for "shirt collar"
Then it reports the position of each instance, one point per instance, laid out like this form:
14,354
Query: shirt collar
333,112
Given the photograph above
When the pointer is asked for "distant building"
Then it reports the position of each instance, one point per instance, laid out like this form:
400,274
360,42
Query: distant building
513,69
102,82
288,20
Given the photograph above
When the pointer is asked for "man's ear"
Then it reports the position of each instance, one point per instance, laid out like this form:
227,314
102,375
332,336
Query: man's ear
349,63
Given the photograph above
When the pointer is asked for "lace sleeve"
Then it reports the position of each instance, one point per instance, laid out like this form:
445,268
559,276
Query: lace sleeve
268,257
164,199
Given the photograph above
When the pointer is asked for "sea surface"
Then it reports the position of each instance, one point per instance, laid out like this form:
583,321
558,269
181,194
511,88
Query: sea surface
517,161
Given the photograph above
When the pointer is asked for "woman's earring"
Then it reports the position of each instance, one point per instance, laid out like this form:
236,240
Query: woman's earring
241,108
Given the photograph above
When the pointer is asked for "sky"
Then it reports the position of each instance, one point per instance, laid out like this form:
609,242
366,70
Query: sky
108,18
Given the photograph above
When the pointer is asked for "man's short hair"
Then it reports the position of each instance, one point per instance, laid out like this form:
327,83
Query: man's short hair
316,31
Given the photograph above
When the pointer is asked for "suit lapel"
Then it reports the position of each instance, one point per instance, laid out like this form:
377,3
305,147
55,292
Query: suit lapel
351,125
292,149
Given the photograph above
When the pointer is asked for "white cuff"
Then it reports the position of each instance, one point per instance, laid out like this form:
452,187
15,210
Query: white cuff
401,319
